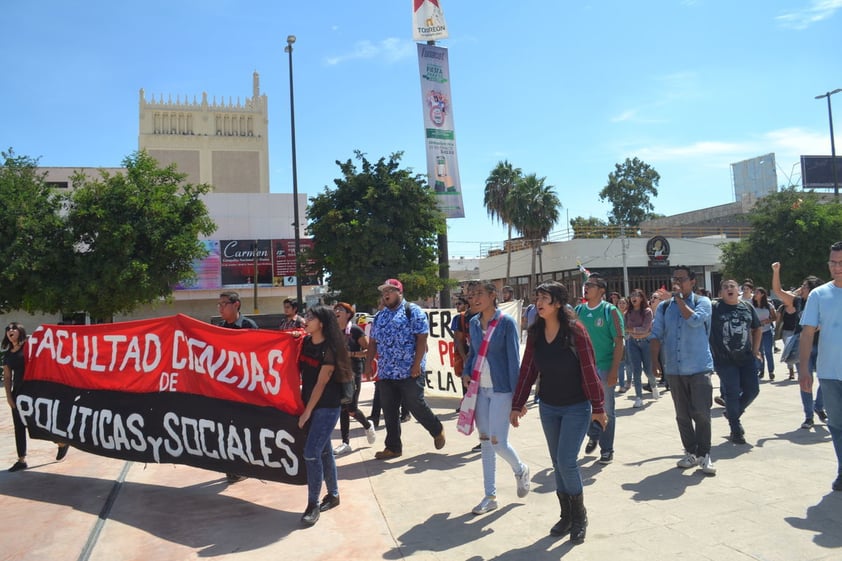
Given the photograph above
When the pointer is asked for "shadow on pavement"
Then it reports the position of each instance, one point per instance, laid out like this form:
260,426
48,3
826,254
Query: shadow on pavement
196,516
824,519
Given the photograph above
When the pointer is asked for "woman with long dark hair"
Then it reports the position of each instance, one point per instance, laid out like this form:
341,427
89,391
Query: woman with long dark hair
13,374
559,350
767,315
324,365
638,322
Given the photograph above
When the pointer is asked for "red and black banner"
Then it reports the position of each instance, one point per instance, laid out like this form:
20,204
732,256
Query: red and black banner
169,390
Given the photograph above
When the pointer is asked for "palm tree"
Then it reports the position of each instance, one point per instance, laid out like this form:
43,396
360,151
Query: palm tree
534,210
499,184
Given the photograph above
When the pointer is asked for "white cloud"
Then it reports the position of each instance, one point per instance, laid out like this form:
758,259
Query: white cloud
391,50
817,11
787,144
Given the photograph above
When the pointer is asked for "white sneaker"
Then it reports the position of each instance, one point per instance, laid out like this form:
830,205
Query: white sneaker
638,403
343,448
688,461
487,504
523,482
706,465
655,393
370,433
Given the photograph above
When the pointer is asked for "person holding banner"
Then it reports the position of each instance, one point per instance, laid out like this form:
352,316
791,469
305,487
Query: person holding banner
324,364
229,310
357,343
559,350
492,371
13,369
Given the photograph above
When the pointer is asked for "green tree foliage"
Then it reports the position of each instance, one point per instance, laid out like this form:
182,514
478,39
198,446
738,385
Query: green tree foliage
500,182
135,235
591,227
630,187
534,209
108,246
789,226
30,232
379,222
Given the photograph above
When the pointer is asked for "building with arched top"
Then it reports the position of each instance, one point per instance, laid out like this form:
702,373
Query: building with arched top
225,144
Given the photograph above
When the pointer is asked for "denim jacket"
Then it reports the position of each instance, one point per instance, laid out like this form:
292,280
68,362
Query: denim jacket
503,353
684,342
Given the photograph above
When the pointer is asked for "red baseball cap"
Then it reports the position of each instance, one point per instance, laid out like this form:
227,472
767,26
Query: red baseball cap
391,283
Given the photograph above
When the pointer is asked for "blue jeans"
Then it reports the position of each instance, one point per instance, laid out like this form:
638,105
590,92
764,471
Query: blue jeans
606,436
565,427
318,455
807,401
833,397
641,361
492,418
766,344
740,386
410,391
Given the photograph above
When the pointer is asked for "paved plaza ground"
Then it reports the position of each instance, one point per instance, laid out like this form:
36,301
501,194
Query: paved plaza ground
771,499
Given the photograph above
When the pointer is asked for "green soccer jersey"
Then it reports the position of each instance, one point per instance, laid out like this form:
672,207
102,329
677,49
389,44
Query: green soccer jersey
604,323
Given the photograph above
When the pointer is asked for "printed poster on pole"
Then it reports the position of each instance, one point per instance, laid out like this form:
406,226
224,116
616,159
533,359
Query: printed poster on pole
442,164
428,21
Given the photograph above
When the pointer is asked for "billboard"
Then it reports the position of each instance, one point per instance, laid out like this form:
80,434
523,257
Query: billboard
756,176
817,172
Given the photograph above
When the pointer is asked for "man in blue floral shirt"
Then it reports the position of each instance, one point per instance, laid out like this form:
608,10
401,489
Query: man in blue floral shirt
399,340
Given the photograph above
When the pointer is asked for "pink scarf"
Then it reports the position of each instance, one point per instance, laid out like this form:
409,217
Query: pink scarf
467,410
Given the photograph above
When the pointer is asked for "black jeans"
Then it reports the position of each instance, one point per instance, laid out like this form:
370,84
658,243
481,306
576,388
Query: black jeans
410,391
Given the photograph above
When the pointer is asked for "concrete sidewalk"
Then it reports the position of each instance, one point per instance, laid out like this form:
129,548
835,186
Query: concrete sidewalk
771,499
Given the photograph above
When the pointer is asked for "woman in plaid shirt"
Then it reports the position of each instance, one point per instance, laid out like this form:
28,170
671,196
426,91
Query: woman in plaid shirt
559,350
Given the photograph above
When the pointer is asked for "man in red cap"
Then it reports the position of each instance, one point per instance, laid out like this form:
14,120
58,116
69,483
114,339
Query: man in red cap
399,340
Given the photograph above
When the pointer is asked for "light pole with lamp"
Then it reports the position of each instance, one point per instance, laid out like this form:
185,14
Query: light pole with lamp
832,143
288,50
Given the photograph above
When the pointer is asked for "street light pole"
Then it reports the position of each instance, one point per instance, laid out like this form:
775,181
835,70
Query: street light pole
288,50
832,143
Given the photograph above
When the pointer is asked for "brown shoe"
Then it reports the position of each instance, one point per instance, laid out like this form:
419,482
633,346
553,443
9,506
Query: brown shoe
387,454
439,440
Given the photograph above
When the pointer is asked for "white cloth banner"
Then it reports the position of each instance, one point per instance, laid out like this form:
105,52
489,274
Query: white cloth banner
428,21
441,380
442,163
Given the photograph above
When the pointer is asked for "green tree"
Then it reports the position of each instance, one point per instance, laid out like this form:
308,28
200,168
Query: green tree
534,209
31,232
500,182
379,222
133,237
591,227
793,227
630,187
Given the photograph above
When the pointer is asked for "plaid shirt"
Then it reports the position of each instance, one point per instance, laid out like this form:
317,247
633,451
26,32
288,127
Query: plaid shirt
591,384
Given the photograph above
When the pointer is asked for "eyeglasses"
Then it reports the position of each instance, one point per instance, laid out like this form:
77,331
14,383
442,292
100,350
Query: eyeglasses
680,279
11,328
834,263
222,304
590,285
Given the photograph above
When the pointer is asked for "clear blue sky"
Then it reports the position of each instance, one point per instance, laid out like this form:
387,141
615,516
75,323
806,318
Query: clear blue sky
562,89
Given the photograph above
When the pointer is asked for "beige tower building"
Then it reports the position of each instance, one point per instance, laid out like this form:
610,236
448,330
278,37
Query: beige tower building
224,144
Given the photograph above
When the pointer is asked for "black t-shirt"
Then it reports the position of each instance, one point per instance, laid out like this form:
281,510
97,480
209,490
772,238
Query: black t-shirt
310,361
242,323
353,341
15,362
561,373
730,332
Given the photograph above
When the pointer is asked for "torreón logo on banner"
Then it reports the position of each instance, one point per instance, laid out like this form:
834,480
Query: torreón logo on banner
428,21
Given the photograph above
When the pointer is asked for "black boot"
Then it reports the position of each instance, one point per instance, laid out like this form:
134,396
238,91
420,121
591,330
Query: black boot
562,527
311,515
579,516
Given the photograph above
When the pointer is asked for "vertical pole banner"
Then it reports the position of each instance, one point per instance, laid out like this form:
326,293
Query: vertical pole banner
428,21
442,164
